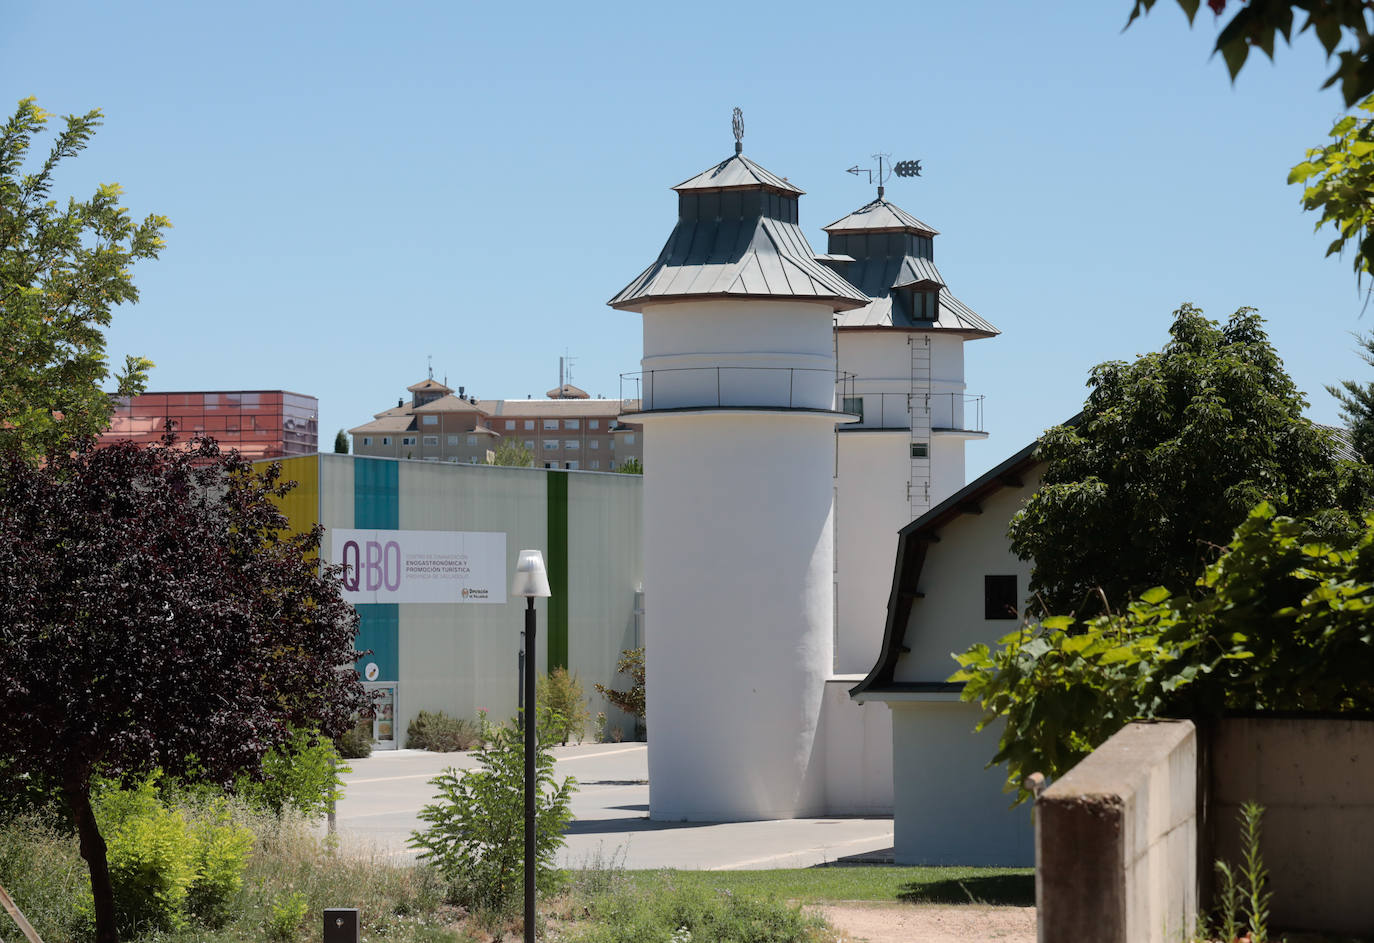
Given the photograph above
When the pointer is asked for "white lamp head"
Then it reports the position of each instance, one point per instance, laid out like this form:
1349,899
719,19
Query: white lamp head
531,579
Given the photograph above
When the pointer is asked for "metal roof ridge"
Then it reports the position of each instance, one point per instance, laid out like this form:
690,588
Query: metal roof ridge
739,172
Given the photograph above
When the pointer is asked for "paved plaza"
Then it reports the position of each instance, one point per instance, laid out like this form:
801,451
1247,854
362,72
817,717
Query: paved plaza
384,793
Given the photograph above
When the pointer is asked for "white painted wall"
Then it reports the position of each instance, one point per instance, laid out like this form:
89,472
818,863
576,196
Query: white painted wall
738,571
856,741
870,507
950,617
949,808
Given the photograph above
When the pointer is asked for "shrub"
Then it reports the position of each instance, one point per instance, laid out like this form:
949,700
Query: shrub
476,833
440,733
356,743
694,914
222,850
631,701
303,774
285,916
562,707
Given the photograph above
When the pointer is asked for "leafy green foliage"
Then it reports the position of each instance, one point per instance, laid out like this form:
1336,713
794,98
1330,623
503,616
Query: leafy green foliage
1342,28
164,868
631,466
441,733
341,442
1278,622
62,272
1256,895
631,701
512,452
1169,454
1337,180
285,916
476,831
302,774
561,706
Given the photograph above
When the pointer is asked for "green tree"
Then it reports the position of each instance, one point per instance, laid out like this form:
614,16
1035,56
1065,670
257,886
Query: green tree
1338,179
341,442
631,701
1278,622
512,452
1357,405
1341,26
63,269
1170,453
631,466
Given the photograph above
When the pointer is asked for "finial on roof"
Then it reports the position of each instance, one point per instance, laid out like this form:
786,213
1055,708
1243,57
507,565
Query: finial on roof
737,125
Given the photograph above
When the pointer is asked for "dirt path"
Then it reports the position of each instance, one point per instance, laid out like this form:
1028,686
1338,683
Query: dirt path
931,923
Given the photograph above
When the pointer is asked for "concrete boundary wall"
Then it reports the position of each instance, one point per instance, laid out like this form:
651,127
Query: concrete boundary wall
1312,775
1116,841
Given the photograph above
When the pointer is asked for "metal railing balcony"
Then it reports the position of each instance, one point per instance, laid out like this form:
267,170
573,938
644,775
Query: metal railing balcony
735,388
947,412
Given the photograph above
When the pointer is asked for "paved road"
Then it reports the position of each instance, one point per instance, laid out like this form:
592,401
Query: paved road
384,792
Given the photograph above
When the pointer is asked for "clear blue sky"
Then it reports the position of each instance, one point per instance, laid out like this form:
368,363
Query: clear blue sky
355,186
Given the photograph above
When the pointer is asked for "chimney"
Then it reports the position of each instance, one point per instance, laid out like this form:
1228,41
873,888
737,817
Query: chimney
400,401
460,392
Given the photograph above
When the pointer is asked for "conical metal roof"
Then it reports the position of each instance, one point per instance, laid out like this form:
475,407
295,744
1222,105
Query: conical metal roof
737,172
881,216
737,237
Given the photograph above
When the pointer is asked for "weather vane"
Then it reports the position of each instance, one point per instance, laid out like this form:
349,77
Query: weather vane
903,168
737,125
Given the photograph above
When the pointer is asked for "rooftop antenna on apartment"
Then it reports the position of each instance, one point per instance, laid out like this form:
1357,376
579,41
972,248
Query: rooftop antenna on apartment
429,362
886,168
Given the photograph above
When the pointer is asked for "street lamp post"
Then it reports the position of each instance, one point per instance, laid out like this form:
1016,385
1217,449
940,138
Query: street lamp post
531,581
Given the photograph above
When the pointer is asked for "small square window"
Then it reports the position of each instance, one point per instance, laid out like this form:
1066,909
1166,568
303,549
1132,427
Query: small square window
432,440
920,450
550,445
529,424
572,423
472,440
854,405
999,597
596,463
570,444
453,440
510,424
407,440
593,423
386,440
430,420
550,423
629,438
367,440
594,444
529,444
572,465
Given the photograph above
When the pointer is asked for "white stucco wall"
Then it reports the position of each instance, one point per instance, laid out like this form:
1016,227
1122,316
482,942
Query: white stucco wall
950,617
856,743
948,808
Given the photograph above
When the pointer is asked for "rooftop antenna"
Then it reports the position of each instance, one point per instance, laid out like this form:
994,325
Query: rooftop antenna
429,361
886,168
737,126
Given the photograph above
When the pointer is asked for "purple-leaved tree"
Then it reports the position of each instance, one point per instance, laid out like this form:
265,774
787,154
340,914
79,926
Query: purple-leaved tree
155,612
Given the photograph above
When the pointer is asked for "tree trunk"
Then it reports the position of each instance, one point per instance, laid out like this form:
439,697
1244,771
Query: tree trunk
78,796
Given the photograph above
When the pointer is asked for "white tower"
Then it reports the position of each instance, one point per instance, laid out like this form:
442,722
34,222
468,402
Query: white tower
738,410
904,352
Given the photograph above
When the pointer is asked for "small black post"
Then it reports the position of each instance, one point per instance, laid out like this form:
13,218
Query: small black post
530,724
520,684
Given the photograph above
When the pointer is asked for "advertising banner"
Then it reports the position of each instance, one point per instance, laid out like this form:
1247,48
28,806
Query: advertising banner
420,565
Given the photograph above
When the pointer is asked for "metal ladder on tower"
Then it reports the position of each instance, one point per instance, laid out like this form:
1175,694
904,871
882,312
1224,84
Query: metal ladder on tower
918,406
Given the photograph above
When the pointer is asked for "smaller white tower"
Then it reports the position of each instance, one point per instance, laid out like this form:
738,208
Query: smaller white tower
738,411
904,352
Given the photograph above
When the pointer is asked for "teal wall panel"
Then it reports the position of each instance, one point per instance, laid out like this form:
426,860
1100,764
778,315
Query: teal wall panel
377,505
379,630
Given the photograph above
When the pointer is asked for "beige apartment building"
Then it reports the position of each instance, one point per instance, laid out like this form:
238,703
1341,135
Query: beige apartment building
569,429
